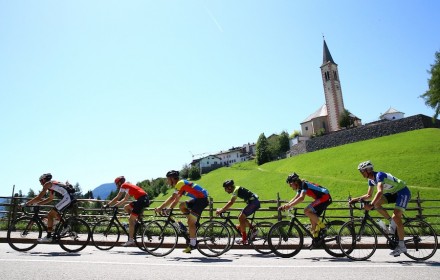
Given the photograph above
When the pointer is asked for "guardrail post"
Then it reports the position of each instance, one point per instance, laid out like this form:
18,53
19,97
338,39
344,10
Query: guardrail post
278,206
211,208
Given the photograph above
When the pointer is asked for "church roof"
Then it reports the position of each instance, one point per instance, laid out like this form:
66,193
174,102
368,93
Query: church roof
391,111
327,57
321,112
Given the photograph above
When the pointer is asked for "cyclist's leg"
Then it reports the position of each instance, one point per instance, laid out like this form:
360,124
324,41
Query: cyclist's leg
403,197
385,199
250,208
193,209
314,210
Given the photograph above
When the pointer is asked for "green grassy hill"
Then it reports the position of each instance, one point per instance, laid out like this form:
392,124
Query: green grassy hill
411,156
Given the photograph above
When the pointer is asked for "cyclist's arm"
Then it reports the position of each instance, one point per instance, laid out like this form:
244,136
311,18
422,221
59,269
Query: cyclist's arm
47,200
176,200
363,197
115,199
40,196
167,202
379,193
228,205
122,201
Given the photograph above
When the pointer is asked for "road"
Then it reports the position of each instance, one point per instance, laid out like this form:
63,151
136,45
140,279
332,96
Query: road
51,262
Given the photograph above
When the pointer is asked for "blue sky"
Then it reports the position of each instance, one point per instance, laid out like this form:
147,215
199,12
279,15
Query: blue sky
91,90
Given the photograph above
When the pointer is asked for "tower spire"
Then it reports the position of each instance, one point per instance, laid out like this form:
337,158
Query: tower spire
327,57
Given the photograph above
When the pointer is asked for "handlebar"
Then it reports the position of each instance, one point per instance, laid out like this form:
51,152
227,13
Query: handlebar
361,202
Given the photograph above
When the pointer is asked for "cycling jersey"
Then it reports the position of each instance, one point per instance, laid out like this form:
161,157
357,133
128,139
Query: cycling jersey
185,187
66,199
312,190
132,190
244,194
391,184
58,187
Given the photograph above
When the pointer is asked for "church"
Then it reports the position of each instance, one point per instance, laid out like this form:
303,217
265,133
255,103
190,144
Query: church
326,118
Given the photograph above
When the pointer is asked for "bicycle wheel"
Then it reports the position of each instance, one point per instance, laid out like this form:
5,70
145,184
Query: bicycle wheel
73,235
331,239
258,238
23,234
138,231
159,238
420,240
105,234
285,239
213,239
357,240
232,235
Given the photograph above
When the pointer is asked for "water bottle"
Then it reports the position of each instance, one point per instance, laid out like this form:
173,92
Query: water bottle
125,225
382,225
177,226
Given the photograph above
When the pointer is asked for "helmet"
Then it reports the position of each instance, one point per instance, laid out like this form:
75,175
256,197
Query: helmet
292,177
364,165
45,177
228,183
120,179
173,174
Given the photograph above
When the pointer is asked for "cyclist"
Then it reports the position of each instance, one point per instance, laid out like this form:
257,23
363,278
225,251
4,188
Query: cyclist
253,204
135,208
389,190
321,196
192,208
55,213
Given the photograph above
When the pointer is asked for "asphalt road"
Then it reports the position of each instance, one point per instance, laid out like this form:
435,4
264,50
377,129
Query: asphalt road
51,262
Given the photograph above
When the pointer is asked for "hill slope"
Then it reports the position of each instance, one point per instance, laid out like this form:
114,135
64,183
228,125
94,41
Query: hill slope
412,156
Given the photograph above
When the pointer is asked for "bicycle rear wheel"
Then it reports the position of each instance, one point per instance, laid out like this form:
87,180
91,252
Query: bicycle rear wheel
213,239
258,237
357,241
331,239
73,235
420,240
105,234
23,234
159,238
285,239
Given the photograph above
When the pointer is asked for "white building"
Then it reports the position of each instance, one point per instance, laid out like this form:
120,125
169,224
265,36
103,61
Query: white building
392,114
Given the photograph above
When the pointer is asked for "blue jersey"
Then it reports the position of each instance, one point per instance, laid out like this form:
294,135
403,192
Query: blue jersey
391,184
312,190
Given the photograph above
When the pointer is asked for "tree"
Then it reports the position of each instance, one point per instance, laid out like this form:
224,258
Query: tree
284,142
432,95
345,120
262,150
194,173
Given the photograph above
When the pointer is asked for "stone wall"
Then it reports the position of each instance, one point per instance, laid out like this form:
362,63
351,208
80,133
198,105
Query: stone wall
370,131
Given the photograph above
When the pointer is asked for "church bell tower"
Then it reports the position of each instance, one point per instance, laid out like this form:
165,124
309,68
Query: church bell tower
332,90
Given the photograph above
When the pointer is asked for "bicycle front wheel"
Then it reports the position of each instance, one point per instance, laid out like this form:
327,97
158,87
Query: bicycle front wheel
23,234
258,237
159,238
213,239
105,234
285,239
420,240
357,240
331,239
73,235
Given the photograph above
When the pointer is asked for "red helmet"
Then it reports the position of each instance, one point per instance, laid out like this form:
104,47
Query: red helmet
120,179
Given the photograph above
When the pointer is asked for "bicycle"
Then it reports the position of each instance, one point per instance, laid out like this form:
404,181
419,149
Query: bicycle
358,238
106,232
160,237
257,234
286,238
72,234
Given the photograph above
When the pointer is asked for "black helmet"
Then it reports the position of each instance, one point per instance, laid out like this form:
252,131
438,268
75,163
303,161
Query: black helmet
173,174
45,177
120,179
228,183
292,177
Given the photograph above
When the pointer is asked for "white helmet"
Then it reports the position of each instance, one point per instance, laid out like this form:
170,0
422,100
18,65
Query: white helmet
364,165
